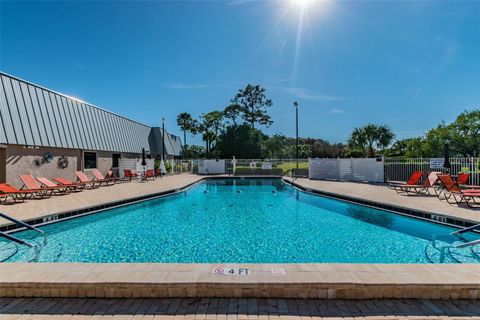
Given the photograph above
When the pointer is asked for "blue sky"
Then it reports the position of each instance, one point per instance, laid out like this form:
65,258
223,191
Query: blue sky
406,64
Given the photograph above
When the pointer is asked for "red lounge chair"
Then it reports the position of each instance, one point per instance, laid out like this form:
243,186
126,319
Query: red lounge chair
462,181
462,178
30,183
413,181
74,186
82,177
111,175
100,178
424,188
50,184
454,194
63,189
7,191
130,174
150,174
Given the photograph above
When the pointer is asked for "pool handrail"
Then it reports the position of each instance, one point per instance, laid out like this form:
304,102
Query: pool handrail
23,224
477,226
15,239
457,246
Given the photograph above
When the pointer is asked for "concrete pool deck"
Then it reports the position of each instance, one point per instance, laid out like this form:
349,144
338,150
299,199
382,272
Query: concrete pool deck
313,281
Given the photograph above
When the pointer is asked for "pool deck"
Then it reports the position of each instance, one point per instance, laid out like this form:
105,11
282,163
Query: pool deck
302,281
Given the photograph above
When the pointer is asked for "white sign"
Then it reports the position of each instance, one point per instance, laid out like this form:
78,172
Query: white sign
231,272
437,163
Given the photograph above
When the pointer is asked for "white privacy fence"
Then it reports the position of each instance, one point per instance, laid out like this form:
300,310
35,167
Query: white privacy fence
369,170
133,164
363,170
211,167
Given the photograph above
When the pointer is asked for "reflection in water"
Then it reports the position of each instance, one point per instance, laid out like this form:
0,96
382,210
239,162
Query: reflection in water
379,218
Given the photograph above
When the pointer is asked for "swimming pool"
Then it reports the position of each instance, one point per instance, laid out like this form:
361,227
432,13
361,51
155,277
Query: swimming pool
241,221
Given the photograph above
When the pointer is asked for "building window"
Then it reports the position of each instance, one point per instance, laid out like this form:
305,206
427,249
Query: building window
115,158
89,160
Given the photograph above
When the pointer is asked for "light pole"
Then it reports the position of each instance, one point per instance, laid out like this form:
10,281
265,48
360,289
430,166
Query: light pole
163,139
295,104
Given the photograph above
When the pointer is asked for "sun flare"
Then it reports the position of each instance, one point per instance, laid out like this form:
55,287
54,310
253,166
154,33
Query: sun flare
302,3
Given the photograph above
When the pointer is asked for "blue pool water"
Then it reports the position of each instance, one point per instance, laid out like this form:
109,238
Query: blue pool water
240,221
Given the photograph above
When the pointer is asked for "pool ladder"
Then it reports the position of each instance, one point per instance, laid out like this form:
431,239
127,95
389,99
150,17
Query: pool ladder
469,244
23,224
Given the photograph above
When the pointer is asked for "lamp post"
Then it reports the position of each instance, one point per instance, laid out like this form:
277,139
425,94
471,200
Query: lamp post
295,104
163,139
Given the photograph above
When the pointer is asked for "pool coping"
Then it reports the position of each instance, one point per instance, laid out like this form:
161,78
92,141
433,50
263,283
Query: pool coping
312,281
315,280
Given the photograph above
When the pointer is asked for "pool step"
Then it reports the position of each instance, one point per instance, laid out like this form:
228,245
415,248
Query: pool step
452,255
7,250
41,251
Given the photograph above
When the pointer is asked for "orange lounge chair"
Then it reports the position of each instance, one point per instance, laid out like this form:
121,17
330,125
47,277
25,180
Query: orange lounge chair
74,186
150,174
63,189
130,174
7,191
82,177
424,188
111,175
413,181
30,183
462,181
454,194
100,178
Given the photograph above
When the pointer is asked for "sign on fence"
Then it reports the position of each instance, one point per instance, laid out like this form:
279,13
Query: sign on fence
437,163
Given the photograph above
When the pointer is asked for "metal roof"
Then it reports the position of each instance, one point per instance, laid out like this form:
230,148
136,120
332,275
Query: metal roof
35,116
173,144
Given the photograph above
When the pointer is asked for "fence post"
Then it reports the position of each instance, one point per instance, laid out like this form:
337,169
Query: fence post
473,174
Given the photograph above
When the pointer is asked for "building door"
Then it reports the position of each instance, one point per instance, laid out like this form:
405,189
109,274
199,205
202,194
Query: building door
3,164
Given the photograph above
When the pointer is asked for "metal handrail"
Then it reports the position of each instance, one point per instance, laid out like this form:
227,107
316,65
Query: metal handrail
2,215
15,239
467,244
457,246
466,229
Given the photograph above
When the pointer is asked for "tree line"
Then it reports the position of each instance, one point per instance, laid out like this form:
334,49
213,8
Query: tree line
235,130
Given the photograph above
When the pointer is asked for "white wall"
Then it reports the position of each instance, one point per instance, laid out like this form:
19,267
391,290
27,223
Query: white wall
363,170
211,167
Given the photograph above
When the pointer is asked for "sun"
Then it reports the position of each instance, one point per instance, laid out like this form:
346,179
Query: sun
302,3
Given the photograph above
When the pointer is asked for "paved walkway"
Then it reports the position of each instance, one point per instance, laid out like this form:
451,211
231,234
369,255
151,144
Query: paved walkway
31,209
229,309
382,194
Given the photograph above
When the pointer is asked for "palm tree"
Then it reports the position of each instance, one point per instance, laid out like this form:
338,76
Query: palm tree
370,136
187,124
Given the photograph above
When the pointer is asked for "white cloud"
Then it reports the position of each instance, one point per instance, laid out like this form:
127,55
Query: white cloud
238,2
187,86
308,95
335,111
